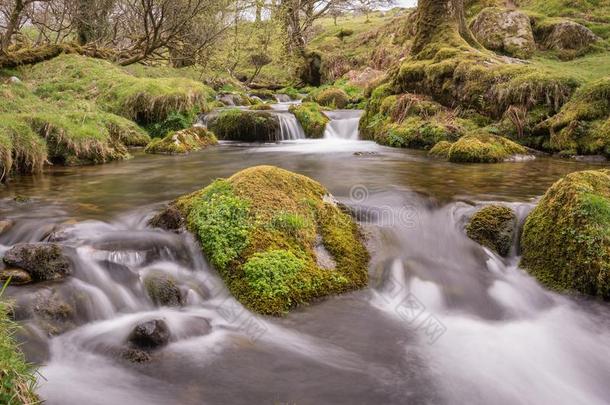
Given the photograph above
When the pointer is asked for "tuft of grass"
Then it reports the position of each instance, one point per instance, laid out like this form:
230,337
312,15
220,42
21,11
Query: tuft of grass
17,380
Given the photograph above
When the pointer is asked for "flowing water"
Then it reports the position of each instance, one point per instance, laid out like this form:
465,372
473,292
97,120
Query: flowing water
443,321
343,124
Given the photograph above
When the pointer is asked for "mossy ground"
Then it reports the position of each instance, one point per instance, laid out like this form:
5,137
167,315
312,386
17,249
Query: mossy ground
181,142
17,381
311,117
259,228
493,226
566,238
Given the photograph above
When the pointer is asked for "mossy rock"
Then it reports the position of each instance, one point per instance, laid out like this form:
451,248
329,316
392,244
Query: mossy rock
163,290
494,227
311,118
261,107
182,142
43,261
566,35
505,31
245,126
441,150
260,228
484,148
333,97
566,238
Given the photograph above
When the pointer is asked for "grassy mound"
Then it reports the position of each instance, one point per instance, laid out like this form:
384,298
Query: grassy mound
113,89
566,238
333,97
493,227
261,228
311,118
181,142
17,381
247,126
483,148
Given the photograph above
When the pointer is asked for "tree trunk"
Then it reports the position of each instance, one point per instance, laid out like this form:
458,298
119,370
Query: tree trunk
440,20
12,24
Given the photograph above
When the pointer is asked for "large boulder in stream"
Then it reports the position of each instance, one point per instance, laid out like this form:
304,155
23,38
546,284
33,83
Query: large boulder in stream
260,229
483,148
494,227
566,238
43,261
505,31
181,142
246,126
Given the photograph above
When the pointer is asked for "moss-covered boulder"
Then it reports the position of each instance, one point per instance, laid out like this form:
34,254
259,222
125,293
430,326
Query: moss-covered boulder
43,261
182,142
333,97
505,31
566,238
260,228
163,290
441,150
311,118
245,126
484,148
564,35
493,227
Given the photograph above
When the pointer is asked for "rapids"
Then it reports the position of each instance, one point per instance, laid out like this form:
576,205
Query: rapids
444,320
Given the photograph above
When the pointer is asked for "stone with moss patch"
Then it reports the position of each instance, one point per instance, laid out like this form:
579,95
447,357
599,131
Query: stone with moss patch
311,118
245,126
494,227
260,229
484,148
163,290
181,142
566,238
505,31
43,261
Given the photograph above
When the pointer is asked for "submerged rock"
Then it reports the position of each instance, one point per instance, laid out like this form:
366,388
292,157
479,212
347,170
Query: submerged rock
260,229
43,261
5,225
246,126
181,142
566,238
162,290
505,31
150,335
494,227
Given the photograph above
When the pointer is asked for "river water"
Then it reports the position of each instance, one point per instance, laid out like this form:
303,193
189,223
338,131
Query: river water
444,321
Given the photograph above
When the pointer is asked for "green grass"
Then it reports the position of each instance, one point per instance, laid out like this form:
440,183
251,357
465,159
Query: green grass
17,380
588,68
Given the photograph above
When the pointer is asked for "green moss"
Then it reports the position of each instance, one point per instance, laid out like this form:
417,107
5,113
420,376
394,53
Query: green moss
332,97
185,141
493,227
566,238
581,125
441,150
261,107
17,381
311,118
175,121
267,257
248,126
483,148
290,92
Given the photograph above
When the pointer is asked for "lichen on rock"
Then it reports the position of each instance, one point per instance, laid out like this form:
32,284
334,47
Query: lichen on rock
566,238
260,228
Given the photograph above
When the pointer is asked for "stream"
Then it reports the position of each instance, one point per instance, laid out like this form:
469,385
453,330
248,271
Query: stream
443,321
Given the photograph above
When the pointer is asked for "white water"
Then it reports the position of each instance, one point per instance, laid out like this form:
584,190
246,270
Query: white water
343,124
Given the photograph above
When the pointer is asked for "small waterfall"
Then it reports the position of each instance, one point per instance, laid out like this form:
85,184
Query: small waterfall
343,124
290,128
